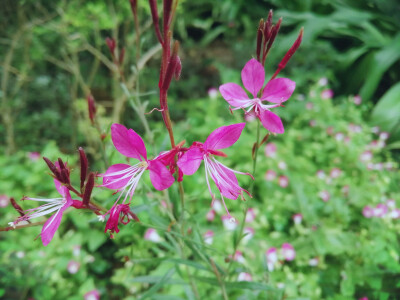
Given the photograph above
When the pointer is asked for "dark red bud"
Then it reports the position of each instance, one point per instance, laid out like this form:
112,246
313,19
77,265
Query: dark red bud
103,136
17,207
273,34
91,108
111,45
88,189
289,54
61,164
84,166
65,176
171,67
121,56
259,39
167,14
253,151
52,168
264,139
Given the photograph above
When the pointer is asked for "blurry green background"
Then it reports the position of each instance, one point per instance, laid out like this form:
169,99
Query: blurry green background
53,53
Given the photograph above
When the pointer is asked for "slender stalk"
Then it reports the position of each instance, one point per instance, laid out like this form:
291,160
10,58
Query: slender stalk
220,280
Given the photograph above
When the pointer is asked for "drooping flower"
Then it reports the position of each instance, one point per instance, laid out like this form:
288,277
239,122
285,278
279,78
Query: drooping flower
288,252
208,237
327,94
118,213
152,235
58,205
248,234
229,222
324,195
272,258
73,267
270,150
357,100
270,175
276,91
297,218
313,262
368,211
243,276
125,178
250,215
283,181
4,200
210,215
223,177
92,295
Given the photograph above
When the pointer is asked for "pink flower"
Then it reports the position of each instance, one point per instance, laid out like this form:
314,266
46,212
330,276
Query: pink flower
212,93
33,156
384,135
297,218
282,165
276,91
272,258
250,215
324,195
327,94
395,213
335,173
73,267
312,123
270,150
152,235
58,205
283,181
366,156
229,222
208,237
357,99
223,177
313,262
380,210
210,215
270,175
217,206
123,177
288,252
4,200
118,213
243,276
309,105
92,295
391,203
321,174
323,81
238,257
248,234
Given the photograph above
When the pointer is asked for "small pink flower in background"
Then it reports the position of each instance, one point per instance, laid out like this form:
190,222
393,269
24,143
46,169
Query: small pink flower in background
297,218
248,234
34,156
366,156
327,94
4,200
335,173
276,91
250,215
324,195
380,210
391,203
312,123
152,235
229,222
301,97
223,177
208,237
389,166
378,166
363,298
330,130
164,204
92,295
58,205
73,267
212,93
243,276
282,165
270,175
370,166
123,177
347,140
384,135
238,257
375,129
339,136
272,258
76,250
270,150
323,81
288,252
321,174
217,206
309,105
283,181
313,262
395,213
357,99
210,215
355,128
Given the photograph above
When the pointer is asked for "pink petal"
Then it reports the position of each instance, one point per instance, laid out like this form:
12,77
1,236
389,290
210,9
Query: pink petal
60,188
278,90
233,93
253,76
160,176
232,190
119,183
271,121
190,161
128,142
224,136
48,231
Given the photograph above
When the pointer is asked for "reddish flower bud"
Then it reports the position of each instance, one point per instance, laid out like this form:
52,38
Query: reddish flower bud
88,189
154,16
167,14
111,45
53,168
91,108
259,39
172,65
17,207
84,166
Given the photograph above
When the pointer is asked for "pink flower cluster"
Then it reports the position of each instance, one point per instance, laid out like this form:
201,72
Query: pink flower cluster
272,255
382,210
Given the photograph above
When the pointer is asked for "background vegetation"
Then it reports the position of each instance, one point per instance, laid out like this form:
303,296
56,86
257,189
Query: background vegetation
53,54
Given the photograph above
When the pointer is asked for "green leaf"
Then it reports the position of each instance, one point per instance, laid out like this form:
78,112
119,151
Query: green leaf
159,284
